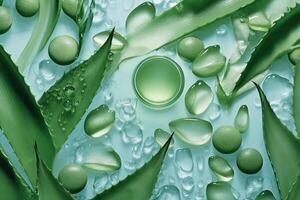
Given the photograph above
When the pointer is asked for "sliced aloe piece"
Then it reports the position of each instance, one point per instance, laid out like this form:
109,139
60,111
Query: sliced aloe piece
296,95
286,163
12,185
48,186
140,185
21,119
279,40
219,190
48,16
66,101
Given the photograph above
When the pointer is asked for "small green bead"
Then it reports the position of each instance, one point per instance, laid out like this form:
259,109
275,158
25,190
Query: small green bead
63,50
189,48
250,161
5,20
27,8
227,139
70,7
265,195
73,178
294,56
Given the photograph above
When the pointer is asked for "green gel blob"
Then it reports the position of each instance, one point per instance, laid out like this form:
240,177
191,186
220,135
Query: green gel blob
158,81
219,191
73,178
250,161
5,20
63,50
70,7
27,8
294,56
265,195
241,121
189,48
221,168
227,139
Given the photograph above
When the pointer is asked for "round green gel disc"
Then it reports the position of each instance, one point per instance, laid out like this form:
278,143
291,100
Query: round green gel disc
250,161
158,81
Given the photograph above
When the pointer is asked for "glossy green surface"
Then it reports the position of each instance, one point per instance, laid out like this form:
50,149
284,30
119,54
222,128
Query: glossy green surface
5,20
73,178
118,41
27,8
189,48
249,161
219,191
259,22
158,81
227,139
70,7
198,98
241,121
265,195
294,56
221,168
99,121
63,50
162,137
209,63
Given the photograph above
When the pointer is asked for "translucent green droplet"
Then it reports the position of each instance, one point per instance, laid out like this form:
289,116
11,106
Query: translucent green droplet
259,22
209,63
99,121
241,121
70,7
99,157
221,168
158,81
294,56
73,178
162,137
249,161
118,41
193,131
198,98
219,191
140,16
227,139
265,195
189,48
5,20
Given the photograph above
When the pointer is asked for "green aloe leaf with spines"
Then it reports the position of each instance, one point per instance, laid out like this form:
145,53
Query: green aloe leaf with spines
296,95
283,148
47,19
140,185
21,120
13,187
64,104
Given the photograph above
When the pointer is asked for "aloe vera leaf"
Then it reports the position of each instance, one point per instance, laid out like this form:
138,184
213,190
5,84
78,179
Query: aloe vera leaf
13,186
279,40
162,29
294,193
48,16
66,101
140,185
296,95
48,186
1,1
21,119
282,146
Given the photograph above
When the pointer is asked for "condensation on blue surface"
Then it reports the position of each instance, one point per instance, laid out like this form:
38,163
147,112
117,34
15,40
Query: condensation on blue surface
121,84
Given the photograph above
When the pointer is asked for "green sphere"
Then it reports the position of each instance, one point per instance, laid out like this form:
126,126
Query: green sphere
227,139
73,178
27,8
189,48
70,7
250,161
294,56
5,20
63,50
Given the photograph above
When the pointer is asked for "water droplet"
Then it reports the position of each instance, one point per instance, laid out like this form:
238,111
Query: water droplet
265,195
189,48
184,162
193,131
99,121
241,121
221,168
128,4
253,186
149,145
47,69
187,184
222,30
132,133
259,22
118,42
98,156
140,16
219,190
214,112
126,109
162,137
209,63
198,98
99,14
168,192
100,183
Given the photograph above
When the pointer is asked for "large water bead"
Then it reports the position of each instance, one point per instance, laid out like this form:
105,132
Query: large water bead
5,20
250,161
27,8
63,50
241,121
73,178
189,48
227,139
